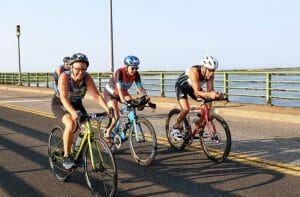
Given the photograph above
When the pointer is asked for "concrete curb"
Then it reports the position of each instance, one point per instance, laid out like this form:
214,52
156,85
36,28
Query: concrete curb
281,114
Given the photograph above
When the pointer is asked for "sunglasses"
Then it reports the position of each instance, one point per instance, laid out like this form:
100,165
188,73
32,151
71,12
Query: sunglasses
134,68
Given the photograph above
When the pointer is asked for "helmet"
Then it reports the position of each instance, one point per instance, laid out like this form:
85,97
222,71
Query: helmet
131,61
66,59
79,57
210,62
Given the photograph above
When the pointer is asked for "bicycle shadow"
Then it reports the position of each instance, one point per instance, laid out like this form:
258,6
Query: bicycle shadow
188,174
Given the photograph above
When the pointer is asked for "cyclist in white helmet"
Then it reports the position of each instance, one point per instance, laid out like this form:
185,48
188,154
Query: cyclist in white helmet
190,83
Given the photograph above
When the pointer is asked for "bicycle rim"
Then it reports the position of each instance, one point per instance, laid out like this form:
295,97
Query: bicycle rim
101,174
143,142
56,153
217,146
170,122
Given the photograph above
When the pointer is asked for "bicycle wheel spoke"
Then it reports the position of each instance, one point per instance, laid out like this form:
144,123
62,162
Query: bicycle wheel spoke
101,171
215,139
55,153
143,143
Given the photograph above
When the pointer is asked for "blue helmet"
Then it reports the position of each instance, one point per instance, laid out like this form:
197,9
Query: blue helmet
131,61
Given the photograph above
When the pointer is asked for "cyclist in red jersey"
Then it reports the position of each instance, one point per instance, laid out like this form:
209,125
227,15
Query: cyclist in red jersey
117,88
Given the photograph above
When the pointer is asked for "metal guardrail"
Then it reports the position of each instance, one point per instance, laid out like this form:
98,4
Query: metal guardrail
264,85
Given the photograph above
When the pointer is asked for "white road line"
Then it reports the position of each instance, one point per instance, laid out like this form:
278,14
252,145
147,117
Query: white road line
24,101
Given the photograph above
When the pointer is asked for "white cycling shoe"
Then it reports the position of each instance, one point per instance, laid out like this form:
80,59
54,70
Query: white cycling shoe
176,134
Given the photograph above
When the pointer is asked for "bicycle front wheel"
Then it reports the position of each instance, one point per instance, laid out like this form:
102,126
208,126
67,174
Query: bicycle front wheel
215,139
56,153
143,142
100,168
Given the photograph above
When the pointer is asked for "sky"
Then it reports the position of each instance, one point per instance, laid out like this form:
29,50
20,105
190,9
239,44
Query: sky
163,34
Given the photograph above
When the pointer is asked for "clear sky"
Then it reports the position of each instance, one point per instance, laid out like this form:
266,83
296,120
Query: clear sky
164,34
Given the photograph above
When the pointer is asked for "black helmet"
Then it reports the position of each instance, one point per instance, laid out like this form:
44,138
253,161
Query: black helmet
66,59
79,57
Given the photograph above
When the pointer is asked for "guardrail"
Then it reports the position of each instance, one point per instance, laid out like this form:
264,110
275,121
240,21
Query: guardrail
263,86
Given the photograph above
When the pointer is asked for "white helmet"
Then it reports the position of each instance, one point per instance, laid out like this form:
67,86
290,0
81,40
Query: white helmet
210,62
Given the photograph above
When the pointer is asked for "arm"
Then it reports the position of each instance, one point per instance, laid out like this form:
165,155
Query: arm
63,89
139,86
93,92
58,71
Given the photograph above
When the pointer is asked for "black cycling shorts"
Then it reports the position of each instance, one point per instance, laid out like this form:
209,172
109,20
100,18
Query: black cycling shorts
182,91
59,110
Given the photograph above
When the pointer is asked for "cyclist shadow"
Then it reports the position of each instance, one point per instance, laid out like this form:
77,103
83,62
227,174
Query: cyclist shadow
192,174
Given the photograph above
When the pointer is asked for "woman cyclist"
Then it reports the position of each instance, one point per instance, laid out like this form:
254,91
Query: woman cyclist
65,103
117,88
190,83
60,69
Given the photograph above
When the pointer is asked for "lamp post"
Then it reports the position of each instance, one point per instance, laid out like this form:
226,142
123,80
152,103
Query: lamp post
111,46
18,32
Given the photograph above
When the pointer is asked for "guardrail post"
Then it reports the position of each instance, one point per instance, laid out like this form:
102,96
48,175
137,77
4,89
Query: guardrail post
28,79
20,79
226,85
5,78
99,81
162,84
47,80
268,89
12,78
36,80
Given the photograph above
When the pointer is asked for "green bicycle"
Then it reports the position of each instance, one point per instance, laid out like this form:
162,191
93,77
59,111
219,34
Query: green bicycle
93,154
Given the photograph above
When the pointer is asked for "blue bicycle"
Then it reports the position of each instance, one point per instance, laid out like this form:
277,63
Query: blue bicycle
139,131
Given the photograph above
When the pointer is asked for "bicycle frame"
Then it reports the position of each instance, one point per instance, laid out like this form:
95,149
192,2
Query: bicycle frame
204,110
132,117
86,139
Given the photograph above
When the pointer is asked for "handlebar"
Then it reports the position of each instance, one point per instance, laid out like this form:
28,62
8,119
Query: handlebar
141,102
208,100
96,116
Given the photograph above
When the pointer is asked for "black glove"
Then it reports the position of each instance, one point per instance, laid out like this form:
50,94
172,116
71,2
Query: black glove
111,112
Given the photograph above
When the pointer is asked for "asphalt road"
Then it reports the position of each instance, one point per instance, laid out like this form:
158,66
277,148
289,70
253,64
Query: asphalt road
24,167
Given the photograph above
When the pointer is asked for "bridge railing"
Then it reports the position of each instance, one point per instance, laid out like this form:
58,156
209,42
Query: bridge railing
264,87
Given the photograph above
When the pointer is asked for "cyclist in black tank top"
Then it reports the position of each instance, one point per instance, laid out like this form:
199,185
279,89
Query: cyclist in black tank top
72,89
190,83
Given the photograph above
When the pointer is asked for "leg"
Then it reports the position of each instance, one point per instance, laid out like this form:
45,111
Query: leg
185,108
68,133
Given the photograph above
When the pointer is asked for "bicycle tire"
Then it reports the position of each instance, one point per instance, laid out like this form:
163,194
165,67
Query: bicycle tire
172,115
55,154
144,151
101,180
216,149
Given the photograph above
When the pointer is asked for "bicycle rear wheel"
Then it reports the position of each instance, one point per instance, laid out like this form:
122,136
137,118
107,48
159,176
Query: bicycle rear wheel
100,168
143,142
216,147
170,122
56,153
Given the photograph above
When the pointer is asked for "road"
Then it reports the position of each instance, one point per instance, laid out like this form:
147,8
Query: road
264,161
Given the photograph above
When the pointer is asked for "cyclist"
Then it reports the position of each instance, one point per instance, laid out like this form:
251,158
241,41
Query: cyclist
65,103
117,88
190,83
63,68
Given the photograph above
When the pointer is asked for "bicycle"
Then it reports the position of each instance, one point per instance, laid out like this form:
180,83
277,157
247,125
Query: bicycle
142,137
93,154
214,133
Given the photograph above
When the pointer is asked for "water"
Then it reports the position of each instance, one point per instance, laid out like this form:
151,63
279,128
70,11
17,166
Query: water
152,85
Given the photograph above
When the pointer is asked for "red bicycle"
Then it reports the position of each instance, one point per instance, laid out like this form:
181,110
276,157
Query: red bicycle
214,133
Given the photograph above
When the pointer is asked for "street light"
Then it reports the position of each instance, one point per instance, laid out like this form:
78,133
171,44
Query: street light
111,47
18,32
